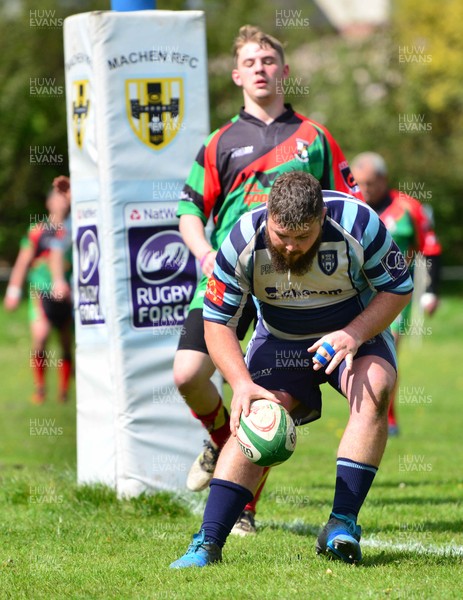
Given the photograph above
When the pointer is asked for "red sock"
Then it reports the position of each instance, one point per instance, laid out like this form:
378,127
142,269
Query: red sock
65,371
252,505
38,364
217,423
391,417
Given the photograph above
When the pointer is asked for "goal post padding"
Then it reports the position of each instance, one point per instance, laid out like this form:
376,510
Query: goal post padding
137,113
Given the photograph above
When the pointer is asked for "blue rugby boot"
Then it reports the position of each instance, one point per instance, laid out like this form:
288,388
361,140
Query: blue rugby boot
340,539
199,554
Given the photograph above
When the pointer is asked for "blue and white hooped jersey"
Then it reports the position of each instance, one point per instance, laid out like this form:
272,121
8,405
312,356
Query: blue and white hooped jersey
357,258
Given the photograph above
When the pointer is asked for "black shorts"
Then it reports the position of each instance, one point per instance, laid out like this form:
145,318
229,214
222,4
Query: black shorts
58,312
192,336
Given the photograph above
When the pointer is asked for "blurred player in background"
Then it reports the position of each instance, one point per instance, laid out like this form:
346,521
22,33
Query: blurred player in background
233,172
46,309
60,259
412,230
317,264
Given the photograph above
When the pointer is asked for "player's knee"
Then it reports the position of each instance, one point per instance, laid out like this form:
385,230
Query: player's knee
192,371
182,378
39,345
188,378
372,388
370,401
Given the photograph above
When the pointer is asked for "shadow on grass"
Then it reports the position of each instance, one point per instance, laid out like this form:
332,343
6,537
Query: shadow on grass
420,527
392,485
299,527
413,500
96,495
400,557
160,504
445,554
442,554
417,484
27,489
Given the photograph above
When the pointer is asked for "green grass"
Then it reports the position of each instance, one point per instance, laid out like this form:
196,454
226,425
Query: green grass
58,540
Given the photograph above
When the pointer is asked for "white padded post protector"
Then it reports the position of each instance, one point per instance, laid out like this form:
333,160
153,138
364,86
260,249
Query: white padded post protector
137,113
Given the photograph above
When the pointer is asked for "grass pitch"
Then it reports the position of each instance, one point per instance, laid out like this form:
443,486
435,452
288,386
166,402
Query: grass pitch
63,541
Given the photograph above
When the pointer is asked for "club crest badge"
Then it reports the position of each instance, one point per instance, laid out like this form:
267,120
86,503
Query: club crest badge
328,261
215,291
349,178
155,109
302,153
80,108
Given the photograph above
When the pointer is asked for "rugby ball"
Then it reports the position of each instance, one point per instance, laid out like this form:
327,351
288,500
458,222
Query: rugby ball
267,436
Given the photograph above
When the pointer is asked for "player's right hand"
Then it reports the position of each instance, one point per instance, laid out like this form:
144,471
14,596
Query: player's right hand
11,303
13,296
242,399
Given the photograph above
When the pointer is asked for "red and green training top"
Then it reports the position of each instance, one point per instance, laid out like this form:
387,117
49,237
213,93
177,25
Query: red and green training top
38,238
412,230
42,237
238,163
407,222
235,168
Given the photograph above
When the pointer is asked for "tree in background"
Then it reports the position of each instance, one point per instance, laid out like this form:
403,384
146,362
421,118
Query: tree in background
360,88
32,111
430,42
398,92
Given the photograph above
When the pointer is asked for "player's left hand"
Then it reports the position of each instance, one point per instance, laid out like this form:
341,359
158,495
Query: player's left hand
332,349
60,290
429,303
208,264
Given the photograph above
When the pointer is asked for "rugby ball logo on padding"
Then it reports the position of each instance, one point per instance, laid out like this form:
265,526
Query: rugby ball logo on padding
267,436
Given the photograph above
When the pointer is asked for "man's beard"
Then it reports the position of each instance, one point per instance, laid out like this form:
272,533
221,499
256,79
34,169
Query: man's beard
298,266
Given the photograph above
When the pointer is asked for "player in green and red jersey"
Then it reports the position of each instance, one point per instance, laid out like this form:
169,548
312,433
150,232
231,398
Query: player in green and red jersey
233,173
411,229
45,310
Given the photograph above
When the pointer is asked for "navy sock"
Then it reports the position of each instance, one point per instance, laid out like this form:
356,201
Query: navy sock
353,482
224,505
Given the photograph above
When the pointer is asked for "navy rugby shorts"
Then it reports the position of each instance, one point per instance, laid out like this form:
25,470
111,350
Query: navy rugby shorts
285,365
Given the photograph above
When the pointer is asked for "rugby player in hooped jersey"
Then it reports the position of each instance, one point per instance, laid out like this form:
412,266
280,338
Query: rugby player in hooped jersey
233,173
316,243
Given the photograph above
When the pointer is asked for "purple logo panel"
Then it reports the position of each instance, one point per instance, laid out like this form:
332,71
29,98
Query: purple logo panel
88,289
162,277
